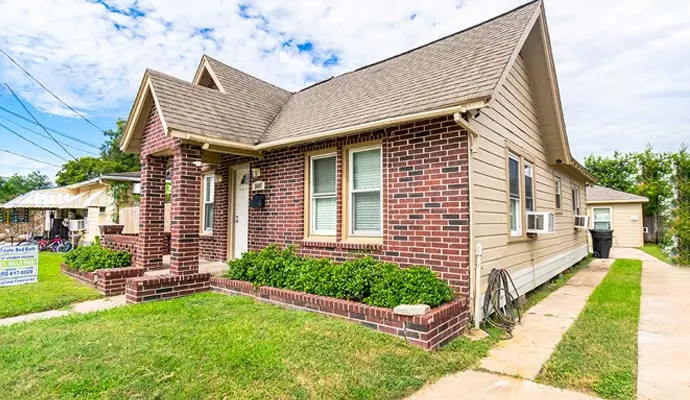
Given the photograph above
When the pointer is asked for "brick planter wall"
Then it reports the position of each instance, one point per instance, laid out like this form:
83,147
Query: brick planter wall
113,238
110,282
429,331
148,288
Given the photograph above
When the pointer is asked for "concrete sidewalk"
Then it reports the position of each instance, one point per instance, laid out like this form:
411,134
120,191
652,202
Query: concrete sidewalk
77,308
544,324
477,385
664,331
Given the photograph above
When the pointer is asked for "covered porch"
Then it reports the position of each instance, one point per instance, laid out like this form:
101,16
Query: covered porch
215,268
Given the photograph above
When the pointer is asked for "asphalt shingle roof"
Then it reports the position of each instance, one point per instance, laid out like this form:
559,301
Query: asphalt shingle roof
453,70
599,194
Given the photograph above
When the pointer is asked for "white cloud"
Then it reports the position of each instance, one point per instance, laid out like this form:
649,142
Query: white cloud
623,67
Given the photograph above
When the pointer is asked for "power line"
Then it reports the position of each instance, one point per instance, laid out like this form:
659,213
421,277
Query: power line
43,135
32,142
30,158
34,118
49,91
50,129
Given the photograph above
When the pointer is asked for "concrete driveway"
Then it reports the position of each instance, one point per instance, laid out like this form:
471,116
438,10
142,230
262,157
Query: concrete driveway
664,330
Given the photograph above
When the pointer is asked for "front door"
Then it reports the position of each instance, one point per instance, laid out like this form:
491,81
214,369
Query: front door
241,209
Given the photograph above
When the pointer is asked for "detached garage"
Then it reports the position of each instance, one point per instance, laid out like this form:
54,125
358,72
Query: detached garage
620,211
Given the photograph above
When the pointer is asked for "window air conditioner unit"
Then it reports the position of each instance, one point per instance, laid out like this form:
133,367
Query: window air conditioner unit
541,222
581,221
77,224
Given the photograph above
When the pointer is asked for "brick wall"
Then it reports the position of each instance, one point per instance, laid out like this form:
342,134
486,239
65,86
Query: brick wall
425,199
110,282
149,288
429,331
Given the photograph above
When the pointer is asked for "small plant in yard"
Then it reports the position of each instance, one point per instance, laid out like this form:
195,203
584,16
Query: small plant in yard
364,279
93,257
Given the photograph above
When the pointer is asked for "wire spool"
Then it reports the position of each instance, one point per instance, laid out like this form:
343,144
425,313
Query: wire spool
501,305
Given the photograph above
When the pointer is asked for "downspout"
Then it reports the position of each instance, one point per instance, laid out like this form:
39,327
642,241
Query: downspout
475,255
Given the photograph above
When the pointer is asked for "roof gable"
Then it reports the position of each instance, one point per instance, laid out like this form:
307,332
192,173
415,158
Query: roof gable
601,194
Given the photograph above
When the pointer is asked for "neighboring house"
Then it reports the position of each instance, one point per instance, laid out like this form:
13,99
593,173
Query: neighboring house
620,211
87,204
417,159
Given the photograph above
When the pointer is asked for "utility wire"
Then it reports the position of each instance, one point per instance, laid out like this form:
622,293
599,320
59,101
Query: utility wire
34,118
30,158
44,135
50,129
49,91
32,142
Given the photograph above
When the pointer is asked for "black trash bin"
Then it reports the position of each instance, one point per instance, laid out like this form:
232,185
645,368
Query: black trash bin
602,239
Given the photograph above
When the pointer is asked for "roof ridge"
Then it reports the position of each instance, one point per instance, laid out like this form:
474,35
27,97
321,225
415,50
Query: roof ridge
151,72
427,44
247,74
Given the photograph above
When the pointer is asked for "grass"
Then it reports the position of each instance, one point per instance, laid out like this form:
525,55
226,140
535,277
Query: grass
598,354
543,291
54,290
655,250
216,346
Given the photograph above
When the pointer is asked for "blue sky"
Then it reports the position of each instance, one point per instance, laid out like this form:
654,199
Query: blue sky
622,65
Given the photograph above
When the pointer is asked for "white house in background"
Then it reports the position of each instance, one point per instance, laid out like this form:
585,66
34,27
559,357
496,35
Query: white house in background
86,205
620,211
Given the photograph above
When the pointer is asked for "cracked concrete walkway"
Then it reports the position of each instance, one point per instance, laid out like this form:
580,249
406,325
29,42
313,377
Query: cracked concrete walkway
77,308
544,324
663,354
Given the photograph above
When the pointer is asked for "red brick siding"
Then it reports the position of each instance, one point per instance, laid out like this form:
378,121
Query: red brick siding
185,211
151,239
428,331
425,199
153,137
148,288
110,282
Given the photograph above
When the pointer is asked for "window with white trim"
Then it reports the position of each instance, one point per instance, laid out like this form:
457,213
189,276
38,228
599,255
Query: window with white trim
322,187
601,217
515,197
559,197
529,186
364,192
576,200
209,182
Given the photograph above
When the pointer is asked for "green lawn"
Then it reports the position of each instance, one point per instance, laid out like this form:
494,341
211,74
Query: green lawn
598,354
216,346
654,250
543,291
53,290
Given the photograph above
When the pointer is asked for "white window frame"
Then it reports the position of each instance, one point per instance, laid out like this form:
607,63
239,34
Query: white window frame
558,199
518,209
594,217
351,193
576,200
313,197
205,201
526,164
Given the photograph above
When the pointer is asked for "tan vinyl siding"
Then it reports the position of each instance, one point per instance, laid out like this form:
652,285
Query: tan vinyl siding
512,123
627,223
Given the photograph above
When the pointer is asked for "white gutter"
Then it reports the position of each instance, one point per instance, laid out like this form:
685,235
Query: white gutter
477,285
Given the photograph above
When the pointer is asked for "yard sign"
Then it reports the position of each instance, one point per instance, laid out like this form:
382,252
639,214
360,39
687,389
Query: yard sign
18,265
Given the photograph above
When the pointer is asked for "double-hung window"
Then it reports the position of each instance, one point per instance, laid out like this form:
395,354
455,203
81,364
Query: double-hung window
364,192
209,182
529,186
515,195
576,200
323,195
602,217
558,193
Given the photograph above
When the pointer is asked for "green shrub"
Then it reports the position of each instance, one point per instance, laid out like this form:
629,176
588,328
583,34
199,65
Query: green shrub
93,257
363,279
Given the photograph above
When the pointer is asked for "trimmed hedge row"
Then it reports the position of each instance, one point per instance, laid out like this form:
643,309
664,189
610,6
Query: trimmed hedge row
93,257
364,279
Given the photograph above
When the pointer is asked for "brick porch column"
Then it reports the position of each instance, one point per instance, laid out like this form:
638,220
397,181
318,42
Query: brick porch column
185,213
150,243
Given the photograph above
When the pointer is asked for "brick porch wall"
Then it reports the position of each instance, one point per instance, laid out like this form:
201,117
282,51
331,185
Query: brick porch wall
425,200
110,282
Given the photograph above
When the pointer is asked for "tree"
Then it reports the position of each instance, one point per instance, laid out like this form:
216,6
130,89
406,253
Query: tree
16,185
653,180
617,172
680,223
112,160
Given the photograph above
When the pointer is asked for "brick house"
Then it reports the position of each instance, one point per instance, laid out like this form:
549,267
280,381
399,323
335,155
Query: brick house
419,159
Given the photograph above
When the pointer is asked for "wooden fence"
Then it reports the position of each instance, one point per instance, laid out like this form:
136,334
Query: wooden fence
129,217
